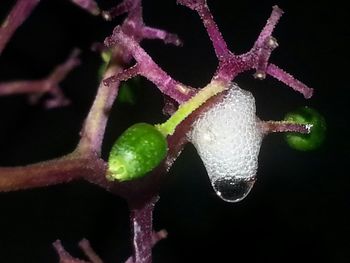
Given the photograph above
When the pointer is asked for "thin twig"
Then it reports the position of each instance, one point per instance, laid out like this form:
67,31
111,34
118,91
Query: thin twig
84,244
64,256
49,85
88,5
284,126
61,170
19,13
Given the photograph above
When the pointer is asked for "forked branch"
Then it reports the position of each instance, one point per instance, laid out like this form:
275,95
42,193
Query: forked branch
49,85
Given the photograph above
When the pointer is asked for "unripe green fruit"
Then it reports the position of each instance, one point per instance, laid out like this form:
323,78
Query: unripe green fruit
311,141
137,151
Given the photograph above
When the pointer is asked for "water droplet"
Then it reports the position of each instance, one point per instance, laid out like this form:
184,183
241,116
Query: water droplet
233,190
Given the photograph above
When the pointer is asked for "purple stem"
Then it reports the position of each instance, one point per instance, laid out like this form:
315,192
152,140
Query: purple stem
95,123
132,7
120,9
18,14
263,58
258,58
50,84
155,33
23,87
148,68
270,26
284,126
156,237
52,172
88,5
61,71
142,229
135,12
89,252
64,256
265,43
289,80
218,41
85,246
122,76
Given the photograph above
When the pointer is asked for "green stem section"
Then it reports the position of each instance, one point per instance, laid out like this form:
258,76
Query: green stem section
213,88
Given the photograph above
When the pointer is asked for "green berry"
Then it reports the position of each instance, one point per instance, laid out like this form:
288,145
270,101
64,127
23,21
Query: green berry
311,141
136,152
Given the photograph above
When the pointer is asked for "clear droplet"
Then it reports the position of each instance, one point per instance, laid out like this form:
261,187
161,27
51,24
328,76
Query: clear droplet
233,190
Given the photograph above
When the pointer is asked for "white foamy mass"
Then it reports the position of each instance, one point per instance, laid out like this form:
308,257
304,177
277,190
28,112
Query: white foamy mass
227,138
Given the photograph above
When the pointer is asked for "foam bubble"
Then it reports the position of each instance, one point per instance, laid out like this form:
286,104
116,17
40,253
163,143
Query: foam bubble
227,138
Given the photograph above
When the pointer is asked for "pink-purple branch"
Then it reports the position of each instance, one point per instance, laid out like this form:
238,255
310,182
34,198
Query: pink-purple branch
94,126
134,12
50,84
266,43
270,26
64,256
213,31
154,33
22,10
142,229
123,7
23,87
134,26
89,252
128,36
62,170
156,237
85,246
146,67
61,71
264,56
284,126
289,80
257,58
88,5
260,54
19,13
126,74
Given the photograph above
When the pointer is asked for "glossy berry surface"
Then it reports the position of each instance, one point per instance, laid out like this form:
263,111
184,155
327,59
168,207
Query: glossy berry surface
137,151
311,141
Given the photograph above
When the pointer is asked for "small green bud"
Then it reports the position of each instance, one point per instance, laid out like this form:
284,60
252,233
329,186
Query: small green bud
106,57
311,141
126,93
136,152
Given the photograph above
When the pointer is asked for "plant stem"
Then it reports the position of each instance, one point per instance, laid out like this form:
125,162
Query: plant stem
19,13
61,170
213,88
95,123
284,126
142,229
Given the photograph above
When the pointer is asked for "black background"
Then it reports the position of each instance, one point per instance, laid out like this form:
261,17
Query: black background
299,209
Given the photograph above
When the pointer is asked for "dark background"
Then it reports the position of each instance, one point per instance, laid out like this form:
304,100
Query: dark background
299,209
